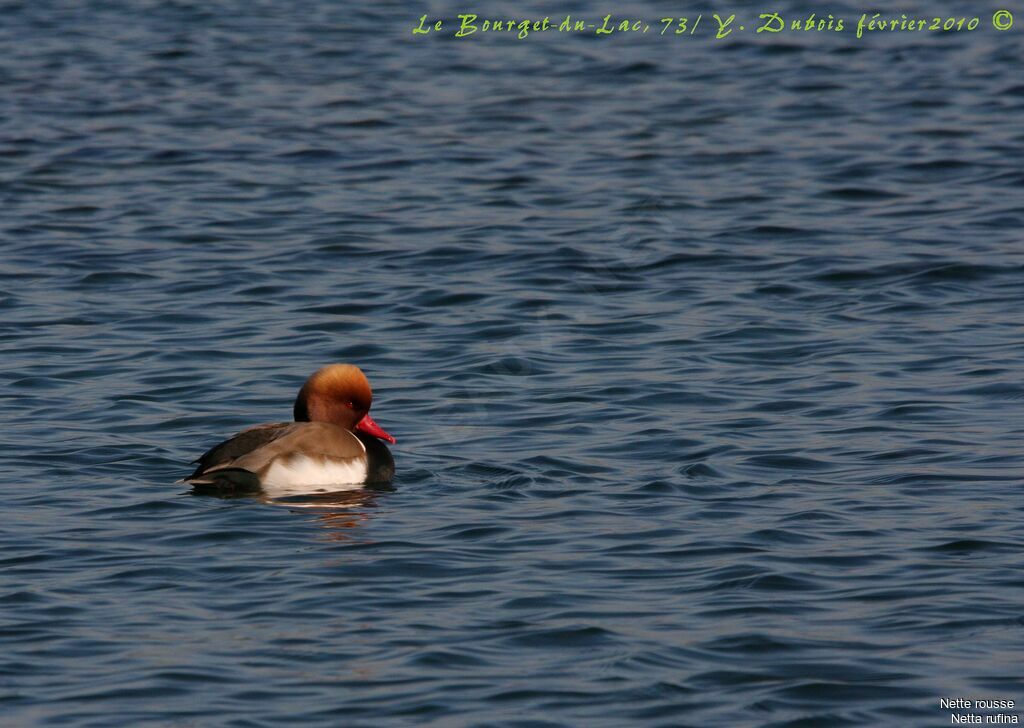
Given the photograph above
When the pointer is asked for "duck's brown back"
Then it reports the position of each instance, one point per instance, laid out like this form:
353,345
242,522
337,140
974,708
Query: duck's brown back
241,444
242,461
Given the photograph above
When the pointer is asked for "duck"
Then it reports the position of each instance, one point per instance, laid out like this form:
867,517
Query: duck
333,444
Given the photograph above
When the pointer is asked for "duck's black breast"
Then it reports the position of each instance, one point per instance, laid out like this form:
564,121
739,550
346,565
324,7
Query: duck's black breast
380,465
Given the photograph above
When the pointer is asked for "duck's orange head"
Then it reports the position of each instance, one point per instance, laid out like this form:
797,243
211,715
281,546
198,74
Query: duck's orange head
340,394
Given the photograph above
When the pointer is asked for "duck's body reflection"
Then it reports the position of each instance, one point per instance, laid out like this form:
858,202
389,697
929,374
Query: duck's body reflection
338,512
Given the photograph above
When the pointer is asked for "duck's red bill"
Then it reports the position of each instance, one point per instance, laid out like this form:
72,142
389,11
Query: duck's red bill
370,427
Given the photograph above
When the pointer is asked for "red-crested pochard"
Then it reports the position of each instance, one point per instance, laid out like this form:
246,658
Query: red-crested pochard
332,444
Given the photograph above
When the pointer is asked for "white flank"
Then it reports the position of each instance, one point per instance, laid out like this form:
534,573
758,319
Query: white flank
303,475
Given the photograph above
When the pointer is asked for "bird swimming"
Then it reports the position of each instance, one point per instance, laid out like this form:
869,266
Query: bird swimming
332,445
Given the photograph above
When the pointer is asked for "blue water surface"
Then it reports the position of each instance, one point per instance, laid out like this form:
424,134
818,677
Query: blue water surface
704,359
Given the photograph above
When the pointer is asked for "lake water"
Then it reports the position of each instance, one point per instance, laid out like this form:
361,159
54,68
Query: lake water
704,360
